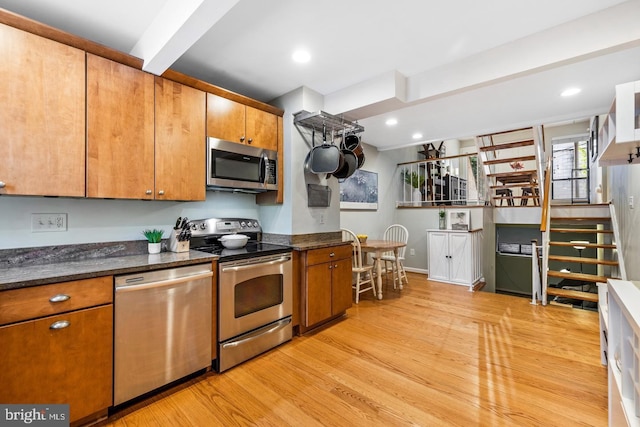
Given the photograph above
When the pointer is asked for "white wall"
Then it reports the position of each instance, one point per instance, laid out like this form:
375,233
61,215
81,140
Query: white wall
623,183
98,220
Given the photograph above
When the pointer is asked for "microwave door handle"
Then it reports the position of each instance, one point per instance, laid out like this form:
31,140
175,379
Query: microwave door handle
264,163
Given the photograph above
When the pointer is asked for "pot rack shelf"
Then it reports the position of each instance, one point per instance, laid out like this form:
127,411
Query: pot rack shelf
317,120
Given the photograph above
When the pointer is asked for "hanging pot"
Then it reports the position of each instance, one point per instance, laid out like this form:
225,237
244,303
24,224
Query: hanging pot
307,165
352,142
349,167
324,158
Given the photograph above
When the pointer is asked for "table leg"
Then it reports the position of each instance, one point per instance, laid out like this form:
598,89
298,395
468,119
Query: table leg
379,273
395,252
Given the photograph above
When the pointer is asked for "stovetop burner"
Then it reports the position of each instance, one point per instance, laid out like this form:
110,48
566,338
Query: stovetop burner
252,249
206,232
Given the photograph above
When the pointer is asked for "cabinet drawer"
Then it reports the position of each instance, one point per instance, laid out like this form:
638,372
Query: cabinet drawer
318,256
17,305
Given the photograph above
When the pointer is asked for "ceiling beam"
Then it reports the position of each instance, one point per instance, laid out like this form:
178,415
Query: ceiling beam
175,29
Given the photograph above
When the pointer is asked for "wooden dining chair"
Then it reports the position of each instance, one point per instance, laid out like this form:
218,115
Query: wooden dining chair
396,233
363,273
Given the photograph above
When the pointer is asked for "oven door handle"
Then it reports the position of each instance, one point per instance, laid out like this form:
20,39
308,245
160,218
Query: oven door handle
269,329
256,264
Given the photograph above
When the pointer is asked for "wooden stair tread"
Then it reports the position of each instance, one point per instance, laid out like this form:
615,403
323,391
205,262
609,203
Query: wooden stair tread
581,218
583,277
580,230
514,173
571,294
507,145
582,260
588,245
509,160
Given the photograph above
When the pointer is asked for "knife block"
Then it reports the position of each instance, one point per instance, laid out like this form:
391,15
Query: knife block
175,245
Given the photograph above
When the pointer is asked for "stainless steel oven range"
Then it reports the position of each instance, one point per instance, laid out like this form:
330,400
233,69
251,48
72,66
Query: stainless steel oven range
255,296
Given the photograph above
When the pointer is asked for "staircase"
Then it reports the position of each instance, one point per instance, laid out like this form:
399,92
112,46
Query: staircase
510,164
582,252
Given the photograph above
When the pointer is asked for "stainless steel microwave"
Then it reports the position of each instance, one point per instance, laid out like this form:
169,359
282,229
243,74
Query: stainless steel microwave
232,166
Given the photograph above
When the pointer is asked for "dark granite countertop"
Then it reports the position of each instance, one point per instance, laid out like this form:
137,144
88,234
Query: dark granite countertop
21,276
305,246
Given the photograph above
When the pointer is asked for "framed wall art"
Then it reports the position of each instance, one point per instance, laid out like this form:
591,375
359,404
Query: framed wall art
459,219
359,191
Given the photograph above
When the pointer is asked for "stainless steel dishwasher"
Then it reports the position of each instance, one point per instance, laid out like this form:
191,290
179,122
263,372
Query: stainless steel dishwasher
162,328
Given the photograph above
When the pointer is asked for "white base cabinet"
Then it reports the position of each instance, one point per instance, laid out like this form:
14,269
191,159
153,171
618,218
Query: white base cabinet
455,256
624,352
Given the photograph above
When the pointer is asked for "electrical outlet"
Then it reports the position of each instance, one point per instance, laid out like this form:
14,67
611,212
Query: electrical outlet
43,222
321,219
630,202
412,252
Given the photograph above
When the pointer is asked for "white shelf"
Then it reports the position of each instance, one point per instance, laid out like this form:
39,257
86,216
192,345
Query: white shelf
624,352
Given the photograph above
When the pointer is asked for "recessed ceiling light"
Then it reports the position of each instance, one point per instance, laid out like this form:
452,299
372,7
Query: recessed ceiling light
571,91
301,56
391,122
417,135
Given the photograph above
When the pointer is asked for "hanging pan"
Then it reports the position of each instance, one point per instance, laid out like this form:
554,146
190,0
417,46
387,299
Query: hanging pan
324,158
352,142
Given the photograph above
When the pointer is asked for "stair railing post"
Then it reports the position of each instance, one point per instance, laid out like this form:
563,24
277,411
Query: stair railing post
535,274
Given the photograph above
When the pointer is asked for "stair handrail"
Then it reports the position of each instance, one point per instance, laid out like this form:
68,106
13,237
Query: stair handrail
545,225
538,139
616,235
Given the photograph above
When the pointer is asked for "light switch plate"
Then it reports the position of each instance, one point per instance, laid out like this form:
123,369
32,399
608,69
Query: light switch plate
630,202
44,222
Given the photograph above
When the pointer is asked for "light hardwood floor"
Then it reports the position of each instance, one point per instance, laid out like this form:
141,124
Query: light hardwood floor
431,355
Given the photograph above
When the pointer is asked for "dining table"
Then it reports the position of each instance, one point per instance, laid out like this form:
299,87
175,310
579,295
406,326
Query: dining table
378,248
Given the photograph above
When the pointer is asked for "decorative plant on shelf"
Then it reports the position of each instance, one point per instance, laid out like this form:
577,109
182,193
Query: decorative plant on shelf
413,178
442,223
153,236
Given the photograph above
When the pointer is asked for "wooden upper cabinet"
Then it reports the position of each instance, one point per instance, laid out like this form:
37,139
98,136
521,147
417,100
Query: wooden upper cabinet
262,129
180,153
236,122
42,99
120,126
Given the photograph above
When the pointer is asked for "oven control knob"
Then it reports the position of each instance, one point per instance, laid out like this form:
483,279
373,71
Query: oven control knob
243,224
194,227
255,224
203,226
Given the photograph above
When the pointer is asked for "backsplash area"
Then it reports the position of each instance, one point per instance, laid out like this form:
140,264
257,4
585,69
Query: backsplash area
99,220
62,253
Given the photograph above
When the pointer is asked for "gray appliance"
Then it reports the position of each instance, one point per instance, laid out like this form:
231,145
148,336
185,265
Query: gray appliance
162,328
255,289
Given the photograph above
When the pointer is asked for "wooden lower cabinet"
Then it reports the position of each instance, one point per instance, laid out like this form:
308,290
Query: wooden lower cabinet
326,287
72,365
57,346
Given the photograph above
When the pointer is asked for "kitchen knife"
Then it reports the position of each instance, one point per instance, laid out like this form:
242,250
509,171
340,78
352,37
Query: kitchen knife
178,223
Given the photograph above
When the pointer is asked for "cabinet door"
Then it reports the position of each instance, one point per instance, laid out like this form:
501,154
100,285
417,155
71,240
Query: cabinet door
318,293
42,103
341,286
438,253
71,365
225,119
120,141
180,153
460,253
262,129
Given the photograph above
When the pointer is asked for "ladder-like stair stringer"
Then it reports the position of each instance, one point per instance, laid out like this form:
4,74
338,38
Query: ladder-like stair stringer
566,237
510,163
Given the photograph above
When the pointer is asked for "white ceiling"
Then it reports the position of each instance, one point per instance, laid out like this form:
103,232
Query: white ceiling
445,69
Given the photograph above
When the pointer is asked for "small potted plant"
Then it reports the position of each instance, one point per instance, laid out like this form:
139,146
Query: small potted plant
154,237
443,220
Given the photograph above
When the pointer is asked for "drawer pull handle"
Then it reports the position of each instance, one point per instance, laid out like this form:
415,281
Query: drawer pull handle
59,298
332,254
60,324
